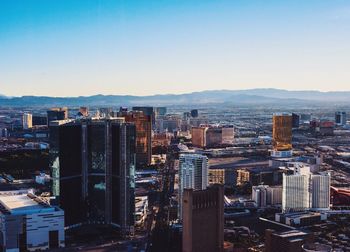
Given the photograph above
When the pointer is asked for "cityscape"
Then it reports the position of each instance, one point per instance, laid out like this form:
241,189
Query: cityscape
173,178
174,126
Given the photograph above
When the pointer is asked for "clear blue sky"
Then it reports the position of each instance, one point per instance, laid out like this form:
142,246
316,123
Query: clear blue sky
83,47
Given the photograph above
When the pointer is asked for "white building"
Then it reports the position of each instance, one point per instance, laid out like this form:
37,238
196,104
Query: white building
295,193
259,195
27,121
265,195
321,185
274,195
193,173
28,223
304,191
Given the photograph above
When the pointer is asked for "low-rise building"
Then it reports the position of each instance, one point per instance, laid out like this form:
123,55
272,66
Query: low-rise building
226,177
265,195
141,208
243,176
288,241
29,224
300,218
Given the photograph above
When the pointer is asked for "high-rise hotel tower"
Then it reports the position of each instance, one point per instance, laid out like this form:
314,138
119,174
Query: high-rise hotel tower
304,191
93,162
193,174
282,135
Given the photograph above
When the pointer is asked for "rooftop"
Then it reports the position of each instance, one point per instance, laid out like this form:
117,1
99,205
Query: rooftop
292,234
300,214
17,204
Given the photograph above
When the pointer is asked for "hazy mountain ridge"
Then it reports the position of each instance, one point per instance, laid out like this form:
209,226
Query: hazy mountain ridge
249,96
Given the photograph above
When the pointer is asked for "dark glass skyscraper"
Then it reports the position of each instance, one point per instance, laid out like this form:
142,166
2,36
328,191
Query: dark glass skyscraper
194,113
295,120
57,114
93,164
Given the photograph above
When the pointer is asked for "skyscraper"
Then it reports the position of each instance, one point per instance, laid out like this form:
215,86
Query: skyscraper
259,195
340,118
282,135
194,112
106,112
212,135
203,219
303,191
27,120
93,170
295,120
295,193
160,111
143,126
199,136
321,190
57,114
193,173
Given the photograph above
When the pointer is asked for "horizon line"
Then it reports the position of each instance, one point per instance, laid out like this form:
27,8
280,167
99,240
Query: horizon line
180,93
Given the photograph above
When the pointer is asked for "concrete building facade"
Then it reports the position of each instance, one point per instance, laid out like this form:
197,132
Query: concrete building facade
303,191
295,193
203,220
321,191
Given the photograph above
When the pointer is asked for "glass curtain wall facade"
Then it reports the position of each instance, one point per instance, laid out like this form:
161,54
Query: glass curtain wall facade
282,132
143,124
96,169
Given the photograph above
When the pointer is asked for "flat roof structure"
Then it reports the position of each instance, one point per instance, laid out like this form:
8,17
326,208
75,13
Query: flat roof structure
18,204
300,214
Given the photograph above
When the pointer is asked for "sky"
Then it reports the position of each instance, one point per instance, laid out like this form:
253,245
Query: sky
145,47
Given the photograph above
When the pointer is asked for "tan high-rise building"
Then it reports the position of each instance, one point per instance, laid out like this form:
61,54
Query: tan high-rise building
143,125
282,135
27,120
212,135
199,136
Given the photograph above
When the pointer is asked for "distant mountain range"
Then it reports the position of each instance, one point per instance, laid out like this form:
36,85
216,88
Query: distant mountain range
249,96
